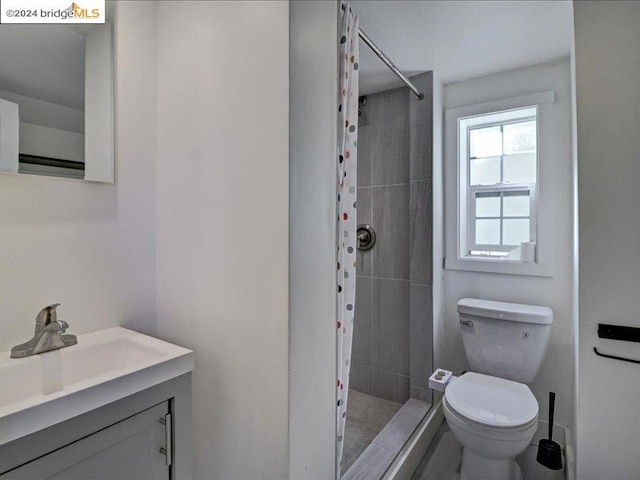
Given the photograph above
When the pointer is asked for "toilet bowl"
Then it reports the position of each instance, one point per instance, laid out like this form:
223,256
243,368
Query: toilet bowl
494,419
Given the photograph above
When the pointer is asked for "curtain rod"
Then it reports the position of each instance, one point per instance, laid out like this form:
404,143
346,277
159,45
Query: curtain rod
380,54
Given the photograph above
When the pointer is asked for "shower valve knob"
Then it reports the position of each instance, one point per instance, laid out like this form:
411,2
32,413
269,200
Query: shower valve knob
366,237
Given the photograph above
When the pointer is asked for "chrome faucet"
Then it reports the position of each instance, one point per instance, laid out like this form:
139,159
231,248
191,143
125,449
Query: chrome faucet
49,335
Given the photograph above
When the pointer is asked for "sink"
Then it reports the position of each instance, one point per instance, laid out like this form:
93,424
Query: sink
43,390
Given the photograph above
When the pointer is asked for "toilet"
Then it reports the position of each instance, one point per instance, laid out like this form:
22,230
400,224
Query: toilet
490,409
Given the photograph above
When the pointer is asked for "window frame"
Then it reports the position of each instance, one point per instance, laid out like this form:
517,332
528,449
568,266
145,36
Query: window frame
455,176
500,188
471,245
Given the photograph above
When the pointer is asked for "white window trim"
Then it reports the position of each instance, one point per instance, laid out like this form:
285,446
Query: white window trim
456,218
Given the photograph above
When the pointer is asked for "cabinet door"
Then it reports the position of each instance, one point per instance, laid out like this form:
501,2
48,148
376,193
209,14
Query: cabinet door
129,449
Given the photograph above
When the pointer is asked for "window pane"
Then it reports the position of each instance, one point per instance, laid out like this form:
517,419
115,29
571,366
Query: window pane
487,205
484,171
519,137
515,231
520,168
516,204
485,142
488,232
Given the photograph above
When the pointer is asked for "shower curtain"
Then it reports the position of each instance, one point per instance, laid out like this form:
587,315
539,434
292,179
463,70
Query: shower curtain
346,200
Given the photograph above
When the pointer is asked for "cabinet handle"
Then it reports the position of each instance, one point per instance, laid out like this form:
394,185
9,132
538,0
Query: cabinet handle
168,438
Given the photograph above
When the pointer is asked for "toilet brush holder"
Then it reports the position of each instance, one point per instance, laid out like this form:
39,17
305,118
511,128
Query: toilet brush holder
550,452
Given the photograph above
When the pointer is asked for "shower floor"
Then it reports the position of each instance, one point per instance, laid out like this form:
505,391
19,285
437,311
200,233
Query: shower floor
366,417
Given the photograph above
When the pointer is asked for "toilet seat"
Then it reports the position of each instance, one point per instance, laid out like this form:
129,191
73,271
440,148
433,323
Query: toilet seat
491,401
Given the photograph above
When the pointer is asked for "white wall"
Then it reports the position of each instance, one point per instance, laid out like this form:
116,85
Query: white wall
90,247
608,110
556,373
222,213
460,39
312,336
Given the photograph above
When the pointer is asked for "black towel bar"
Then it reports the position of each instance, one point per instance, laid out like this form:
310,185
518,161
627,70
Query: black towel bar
619,332
622,359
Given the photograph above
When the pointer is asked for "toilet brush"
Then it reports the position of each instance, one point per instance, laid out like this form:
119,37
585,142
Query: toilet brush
549,452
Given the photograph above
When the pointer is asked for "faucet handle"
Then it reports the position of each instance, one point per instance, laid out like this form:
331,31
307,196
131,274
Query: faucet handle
47,315
57,326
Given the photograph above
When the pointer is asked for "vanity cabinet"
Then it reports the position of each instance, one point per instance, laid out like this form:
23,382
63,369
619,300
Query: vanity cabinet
129,449
143,436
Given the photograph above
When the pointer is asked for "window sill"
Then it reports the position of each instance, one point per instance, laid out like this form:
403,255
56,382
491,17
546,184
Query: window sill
507,267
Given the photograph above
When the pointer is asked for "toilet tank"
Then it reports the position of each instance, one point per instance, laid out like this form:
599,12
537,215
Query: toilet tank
506,340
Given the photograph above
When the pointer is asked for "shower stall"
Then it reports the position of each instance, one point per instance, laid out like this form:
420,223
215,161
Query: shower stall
392,350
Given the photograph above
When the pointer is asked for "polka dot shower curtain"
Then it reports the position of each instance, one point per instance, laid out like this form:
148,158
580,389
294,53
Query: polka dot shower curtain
347,142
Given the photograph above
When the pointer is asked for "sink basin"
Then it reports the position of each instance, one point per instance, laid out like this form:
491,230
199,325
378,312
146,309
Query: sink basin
104,366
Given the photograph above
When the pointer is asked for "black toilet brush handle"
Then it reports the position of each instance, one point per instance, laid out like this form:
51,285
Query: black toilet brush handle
552,402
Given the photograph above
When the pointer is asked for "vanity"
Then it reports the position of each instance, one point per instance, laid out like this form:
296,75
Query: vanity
116,405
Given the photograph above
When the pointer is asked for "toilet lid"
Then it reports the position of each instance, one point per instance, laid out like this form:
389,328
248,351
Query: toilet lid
491,400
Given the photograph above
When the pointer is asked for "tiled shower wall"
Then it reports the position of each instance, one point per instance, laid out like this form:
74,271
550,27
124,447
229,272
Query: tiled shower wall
392,345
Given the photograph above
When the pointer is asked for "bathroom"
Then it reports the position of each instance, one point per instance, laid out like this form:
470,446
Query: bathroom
188,232
395,135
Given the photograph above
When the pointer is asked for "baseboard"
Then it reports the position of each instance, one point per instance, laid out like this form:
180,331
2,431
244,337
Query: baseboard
570,457
409,457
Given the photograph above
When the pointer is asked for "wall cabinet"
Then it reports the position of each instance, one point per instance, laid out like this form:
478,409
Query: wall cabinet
138,437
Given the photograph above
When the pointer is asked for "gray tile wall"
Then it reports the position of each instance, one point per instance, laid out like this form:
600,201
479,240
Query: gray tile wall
392,345
421,239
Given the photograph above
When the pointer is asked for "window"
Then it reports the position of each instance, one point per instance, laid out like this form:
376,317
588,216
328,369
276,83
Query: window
504,161
498,176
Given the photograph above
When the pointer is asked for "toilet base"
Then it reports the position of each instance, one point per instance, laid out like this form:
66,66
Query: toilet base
475,467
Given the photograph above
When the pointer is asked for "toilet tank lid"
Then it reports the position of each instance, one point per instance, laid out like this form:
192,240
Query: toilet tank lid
516,312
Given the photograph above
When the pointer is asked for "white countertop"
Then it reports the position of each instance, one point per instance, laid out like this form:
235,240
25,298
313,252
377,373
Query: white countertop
42,390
